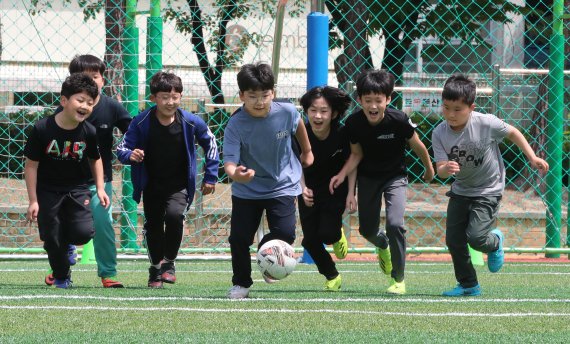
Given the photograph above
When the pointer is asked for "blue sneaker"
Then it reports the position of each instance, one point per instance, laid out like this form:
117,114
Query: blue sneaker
496,258
460,291
72,254
63,283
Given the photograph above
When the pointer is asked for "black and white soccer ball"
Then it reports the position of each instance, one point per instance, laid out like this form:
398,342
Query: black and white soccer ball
276,259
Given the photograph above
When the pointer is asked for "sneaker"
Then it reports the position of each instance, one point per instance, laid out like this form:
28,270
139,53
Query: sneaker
340,247
72,254
496,258
65,283
396,288
110,282
49,278
238,292
334,284
154,279
461,291
269,280
168,273
385,260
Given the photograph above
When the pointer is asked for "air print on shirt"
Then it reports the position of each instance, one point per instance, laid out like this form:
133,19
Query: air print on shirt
69,150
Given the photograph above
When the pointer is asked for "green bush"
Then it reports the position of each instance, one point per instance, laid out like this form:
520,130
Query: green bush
14,128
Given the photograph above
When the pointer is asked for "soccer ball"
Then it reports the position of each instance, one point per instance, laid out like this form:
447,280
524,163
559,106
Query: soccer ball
276,259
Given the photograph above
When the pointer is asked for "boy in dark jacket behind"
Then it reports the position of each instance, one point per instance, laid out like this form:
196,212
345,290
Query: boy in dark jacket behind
159,145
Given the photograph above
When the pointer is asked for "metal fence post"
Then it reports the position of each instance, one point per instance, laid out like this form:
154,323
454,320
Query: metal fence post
554,130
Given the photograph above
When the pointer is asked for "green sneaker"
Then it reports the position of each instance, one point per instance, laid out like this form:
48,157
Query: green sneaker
334,284
396,288
340,247
385,260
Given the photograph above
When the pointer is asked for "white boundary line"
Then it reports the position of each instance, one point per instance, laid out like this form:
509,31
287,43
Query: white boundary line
297,272
292,311
386,299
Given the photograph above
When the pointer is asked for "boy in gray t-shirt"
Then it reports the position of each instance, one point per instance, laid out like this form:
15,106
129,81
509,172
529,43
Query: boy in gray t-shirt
465,146
259,159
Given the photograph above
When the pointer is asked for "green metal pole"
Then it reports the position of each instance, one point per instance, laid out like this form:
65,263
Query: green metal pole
554,130
153,45
130,61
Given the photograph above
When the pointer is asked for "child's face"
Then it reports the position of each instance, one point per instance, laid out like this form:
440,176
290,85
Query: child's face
77,107
97,77
166,103
257,103
320,116
456,113
373,105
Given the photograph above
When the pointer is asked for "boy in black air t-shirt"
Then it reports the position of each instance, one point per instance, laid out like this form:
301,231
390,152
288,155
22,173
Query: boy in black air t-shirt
60,152
378,137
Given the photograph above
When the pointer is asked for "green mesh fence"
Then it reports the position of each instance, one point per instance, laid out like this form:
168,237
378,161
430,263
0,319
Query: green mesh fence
515,54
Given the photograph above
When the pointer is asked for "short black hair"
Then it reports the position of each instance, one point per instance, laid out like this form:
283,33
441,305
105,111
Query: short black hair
165,82
256,77
338,100
77,83
459,87
375,81
86,63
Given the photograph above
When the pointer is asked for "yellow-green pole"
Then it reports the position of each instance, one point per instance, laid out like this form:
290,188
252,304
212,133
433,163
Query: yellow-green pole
153,45
554,130
131,99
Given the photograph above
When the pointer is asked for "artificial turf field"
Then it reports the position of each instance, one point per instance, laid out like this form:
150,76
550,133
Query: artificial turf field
524,303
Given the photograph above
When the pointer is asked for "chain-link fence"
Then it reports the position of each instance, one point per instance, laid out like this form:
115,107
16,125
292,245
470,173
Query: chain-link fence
514,50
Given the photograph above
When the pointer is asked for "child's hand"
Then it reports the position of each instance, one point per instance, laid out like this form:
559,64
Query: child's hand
539,164
243,174
137,155
207,188
308,197
429,173
103,198
32,214
452,167
351,203
307,159
335,182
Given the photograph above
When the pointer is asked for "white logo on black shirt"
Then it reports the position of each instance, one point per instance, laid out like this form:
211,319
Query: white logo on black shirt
386,137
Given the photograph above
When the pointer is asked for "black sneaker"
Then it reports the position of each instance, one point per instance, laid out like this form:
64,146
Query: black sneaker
168,272
154,280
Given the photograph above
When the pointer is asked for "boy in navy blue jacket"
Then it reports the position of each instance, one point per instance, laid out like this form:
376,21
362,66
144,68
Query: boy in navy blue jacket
159,145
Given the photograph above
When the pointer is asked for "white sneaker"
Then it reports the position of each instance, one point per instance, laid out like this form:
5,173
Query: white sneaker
238,292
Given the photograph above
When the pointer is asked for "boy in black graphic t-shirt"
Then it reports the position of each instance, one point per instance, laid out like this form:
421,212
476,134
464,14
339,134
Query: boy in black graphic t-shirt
378,139
61,157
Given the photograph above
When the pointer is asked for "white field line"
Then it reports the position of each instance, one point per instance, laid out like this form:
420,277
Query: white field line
292,311
543,273
292,300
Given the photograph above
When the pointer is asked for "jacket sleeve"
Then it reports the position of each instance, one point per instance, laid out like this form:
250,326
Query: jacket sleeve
207,141
128,143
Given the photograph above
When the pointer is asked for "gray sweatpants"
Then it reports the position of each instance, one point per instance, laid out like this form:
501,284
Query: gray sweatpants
370,192
470,221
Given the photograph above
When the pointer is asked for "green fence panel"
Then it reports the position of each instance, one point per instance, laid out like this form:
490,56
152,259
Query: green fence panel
506,48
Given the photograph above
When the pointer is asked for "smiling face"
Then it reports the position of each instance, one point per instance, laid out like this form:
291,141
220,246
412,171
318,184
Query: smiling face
257,103
166,103
373,105
456,113
320,117
77,107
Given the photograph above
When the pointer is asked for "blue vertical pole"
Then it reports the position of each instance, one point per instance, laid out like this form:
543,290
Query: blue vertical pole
317,65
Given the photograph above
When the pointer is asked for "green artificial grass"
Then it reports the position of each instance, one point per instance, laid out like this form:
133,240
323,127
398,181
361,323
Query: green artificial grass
525,302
